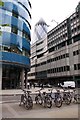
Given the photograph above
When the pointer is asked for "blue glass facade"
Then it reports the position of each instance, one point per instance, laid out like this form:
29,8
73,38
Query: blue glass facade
15,18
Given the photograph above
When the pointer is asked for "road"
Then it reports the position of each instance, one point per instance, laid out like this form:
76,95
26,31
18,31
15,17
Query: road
13,98
13,110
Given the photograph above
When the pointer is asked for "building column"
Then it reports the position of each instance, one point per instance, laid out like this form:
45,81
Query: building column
22,79
0,77
26,79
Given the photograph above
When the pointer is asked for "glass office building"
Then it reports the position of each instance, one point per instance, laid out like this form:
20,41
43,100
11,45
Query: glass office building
40,30
15,39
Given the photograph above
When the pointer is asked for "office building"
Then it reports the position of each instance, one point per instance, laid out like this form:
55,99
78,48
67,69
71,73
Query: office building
62,59
15,36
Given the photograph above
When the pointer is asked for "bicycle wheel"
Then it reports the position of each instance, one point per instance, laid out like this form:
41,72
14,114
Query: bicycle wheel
67,100
48,102
30,102
27,105
36,99
39,100
77,98
58,102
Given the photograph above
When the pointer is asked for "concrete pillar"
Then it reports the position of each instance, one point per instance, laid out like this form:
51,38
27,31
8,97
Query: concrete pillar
1,91
22,79
0,77
26,79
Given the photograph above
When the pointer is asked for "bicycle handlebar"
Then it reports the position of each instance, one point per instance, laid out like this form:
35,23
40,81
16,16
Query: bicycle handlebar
39,90
28,91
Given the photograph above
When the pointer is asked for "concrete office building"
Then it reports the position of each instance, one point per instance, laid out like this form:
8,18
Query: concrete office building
15,39
62,59
38,49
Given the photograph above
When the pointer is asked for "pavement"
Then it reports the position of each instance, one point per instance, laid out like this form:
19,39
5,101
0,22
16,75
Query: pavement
13,110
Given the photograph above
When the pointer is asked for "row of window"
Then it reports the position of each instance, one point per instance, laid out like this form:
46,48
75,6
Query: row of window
15,50
41,73
31,74
15,30
77,66
56,30
51,60
74,17
58,58
65,43
76,38
43,63
39,43
76,29
16,15
59,69
26,8
60,38
39,50
68,42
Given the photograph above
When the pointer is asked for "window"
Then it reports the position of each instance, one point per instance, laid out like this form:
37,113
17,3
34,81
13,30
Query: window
64,56
14,29
76,38
64,68
48,61
69,42
67,54
14,14
76,52
61,69
78,66
25,35
1,3
6,48
67,68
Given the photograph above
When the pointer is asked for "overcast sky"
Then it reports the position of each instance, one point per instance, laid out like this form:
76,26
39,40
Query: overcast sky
57,10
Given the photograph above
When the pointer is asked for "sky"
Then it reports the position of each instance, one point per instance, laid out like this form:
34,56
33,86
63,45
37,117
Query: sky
49,10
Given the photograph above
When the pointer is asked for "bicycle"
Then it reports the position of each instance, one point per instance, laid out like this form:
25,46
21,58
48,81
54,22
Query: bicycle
26,99
67,97
43,99
38,98
56,97
76,97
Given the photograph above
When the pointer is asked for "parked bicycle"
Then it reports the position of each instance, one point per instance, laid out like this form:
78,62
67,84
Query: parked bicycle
76,96
26,99
56,97
67,97
43,99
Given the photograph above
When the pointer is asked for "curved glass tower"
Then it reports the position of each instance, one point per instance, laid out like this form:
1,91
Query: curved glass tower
15,39
40,30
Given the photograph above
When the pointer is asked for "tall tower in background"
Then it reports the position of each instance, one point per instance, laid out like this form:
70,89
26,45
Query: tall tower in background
40,30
